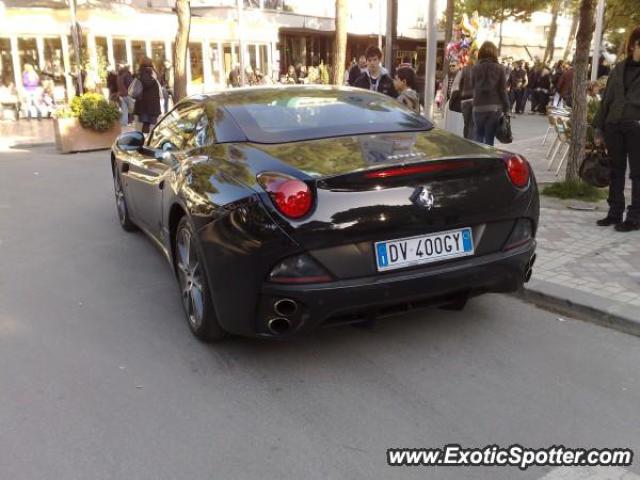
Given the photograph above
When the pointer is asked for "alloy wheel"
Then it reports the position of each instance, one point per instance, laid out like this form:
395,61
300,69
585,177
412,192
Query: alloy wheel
190,278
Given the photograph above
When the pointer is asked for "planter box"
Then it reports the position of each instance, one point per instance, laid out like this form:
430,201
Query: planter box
72,137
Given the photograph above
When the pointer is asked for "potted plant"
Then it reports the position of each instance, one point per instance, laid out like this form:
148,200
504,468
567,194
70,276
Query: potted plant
89,122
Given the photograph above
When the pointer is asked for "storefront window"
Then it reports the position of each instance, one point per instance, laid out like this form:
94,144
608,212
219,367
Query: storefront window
138,52
28,51
6,65
264,60
120,51
252,56
53,63
158,55
215,64
195,54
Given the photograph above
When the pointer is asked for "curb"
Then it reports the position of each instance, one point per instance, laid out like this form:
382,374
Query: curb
584,306
32,145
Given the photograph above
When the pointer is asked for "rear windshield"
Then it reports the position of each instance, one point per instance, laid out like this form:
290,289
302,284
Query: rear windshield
281,116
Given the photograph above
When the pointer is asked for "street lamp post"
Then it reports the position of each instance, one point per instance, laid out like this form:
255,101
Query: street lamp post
430,71
241,40
76,43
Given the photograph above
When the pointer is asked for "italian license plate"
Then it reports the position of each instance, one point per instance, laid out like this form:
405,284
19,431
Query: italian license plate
406,252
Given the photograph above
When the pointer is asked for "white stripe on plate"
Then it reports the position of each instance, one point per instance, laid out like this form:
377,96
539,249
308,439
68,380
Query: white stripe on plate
590,473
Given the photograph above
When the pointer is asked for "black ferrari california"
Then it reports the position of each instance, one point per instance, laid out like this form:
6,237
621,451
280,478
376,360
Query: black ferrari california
284,209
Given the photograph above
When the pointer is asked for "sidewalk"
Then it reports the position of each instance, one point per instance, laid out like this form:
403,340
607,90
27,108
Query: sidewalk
25,133
580,266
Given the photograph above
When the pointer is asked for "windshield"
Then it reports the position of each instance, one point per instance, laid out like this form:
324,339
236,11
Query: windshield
290,115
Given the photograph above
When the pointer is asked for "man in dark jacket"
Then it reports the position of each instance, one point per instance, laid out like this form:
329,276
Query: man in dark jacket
357,69
375,78
517,85
617,122
565,87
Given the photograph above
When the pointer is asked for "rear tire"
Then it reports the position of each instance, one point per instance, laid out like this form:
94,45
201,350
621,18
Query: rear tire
121,204
194,288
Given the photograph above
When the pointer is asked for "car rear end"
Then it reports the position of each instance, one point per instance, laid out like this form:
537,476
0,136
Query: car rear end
374,213
387,239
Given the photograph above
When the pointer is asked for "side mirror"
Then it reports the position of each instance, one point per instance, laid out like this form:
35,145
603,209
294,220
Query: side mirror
130,141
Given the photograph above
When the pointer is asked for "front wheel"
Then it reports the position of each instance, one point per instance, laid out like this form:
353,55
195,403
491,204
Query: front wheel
121,204
194,289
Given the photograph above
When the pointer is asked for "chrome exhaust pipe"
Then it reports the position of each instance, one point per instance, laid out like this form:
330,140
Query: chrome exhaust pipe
285,307
529,269
278,325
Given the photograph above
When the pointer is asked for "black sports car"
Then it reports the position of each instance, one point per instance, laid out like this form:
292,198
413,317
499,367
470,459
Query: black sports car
282,209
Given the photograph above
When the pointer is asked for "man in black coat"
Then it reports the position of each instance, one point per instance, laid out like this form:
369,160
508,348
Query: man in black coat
375,77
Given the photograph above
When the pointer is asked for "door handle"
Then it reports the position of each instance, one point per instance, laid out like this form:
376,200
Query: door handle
161,185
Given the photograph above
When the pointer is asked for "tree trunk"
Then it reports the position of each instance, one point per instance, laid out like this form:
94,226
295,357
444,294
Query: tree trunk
551,39
448,32
572,35
340,42
183,9
579,109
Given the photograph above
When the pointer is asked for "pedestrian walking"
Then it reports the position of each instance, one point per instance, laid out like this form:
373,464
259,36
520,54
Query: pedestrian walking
149,106
565,87
558,70
31,84
375,77
490,100
126,103
466,98
404,83
358,69
541,92
617,123
517,85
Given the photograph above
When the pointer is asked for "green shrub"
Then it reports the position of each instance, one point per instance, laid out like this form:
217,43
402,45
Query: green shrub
575,190
92,110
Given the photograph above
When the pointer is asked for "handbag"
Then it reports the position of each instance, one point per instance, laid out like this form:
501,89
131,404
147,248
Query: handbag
503,133
455,101
595,168
135,89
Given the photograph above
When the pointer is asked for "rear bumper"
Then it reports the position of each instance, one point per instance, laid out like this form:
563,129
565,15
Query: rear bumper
320,304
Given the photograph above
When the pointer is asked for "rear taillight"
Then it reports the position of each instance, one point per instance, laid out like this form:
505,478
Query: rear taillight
518,170
292,197
419,169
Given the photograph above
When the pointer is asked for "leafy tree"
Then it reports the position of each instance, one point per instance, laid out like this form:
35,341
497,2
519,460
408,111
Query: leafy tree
553,29
501,10
579,109
621,16
448,30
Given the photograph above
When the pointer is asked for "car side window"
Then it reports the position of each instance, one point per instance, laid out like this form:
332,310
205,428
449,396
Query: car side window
163,136
182,129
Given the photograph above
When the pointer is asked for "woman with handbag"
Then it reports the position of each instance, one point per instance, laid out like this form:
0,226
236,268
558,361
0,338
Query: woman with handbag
490,101
617,124
149,106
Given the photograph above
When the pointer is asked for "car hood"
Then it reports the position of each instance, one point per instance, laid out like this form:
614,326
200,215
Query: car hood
337,156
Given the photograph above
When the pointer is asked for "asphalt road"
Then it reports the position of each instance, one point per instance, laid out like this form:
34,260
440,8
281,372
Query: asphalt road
101,379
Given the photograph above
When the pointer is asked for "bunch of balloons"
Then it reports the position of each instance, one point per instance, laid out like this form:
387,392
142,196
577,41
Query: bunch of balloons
464,40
